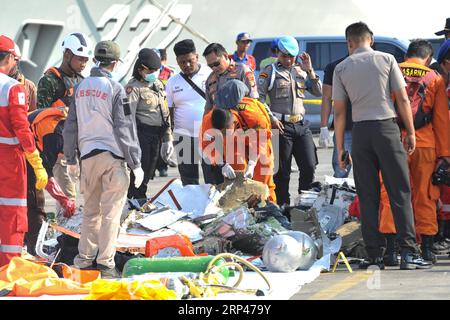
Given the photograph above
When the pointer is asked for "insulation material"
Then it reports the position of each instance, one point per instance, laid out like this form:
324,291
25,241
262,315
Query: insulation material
177,197
161,219
239,190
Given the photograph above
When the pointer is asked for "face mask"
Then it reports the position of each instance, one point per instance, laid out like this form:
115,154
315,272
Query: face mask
152,77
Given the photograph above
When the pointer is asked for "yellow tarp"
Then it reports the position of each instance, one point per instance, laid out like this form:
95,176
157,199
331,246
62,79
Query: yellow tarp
29,279
130,290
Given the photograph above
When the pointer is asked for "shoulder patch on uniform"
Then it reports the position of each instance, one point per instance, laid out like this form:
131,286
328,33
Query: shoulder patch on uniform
129,90
251,78
263,75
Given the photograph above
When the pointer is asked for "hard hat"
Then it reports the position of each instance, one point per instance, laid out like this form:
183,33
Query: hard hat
288,45
78,44
8,45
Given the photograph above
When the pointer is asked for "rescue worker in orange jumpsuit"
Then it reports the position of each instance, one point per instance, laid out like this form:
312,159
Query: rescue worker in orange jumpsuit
432,143
249,123
211,145
16,145
47,126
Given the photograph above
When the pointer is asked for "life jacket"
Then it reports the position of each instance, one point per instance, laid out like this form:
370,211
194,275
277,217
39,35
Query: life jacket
44,122
65,97
417,79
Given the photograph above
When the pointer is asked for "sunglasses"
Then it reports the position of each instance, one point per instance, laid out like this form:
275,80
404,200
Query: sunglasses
214,65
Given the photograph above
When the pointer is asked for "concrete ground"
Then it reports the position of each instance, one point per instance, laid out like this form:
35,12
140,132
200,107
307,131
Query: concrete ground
388,284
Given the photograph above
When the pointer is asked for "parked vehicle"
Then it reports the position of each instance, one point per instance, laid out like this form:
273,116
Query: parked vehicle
323,50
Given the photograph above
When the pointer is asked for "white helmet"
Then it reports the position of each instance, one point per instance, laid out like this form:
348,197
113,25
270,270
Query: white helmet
79,44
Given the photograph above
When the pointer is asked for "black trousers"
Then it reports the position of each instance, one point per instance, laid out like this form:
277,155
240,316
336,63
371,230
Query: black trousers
161,164
36,213
150,142
296,141
377,147
186,148
212,174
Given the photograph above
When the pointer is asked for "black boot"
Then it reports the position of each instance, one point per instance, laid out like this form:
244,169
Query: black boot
391,254
378,261
427,249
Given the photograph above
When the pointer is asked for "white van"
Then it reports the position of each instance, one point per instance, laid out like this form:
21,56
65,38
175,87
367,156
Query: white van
323,50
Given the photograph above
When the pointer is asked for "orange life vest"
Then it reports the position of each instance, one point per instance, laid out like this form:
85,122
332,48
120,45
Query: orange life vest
44,121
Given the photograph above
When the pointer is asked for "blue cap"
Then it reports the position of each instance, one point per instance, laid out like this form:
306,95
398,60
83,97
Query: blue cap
231,94
443,51
243,36
288,45
274,44
157,52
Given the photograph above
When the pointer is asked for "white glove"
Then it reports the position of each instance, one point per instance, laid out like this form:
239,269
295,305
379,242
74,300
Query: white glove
228,172
250,169
167,150
325,138
138,177
73,170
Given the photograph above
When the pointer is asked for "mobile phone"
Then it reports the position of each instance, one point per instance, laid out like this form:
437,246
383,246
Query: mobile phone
346,158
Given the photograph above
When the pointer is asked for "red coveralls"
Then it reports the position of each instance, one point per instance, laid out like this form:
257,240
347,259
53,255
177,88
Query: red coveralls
15,138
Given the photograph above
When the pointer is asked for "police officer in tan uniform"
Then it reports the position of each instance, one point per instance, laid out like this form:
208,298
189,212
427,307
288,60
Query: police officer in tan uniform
285,84
149,105
225,69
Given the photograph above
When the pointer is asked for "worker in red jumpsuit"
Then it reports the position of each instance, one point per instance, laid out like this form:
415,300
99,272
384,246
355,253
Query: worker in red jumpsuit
16,145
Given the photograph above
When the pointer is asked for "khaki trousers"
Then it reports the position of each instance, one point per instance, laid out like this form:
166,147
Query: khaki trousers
64,180
104,185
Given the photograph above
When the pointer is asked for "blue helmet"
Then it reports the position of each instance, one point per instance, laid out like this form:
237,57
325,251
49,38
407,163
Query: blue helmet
288,45
443,51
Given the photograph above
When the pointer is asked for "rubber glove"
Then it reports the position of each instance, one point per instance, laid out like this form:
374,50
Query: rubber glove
138,177
325,138
36,162
228,172
250,169
167,150
56,192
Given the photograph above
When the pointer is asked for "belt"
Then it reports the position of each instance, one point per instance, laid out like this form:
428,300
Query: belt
292,118
367,121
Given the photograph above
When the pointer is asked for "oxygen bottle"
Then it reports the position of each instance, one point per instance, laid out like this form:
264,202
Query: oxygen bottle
176,264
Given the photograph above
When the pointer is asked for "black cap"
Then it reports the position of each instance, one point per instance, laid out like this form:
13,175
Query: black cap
149,58
446,28
184,47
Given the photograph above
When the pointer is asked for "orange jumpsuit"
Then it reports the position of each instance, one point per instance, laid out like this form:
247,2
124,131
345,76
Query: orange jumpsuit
250,114
432,142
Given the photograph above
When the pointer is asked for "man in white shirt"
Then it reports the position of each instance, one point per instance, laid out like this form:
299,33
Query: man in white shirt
186,99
